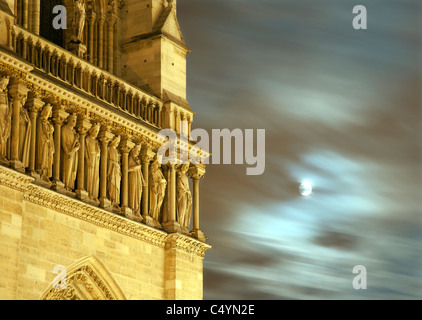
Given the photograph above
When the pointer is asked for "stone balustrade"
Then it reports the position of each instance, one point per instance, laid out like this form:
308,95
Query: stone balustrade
61,64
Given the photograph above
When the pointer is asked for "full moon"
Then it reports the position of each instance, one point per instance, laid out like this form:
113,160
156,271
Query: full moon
305,188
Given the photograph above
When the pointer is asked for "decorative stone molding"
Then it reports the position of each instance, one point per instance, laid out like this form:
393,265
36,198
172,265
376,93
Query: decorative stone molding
87,279
15,180
187,244
20,68
80,210
83,211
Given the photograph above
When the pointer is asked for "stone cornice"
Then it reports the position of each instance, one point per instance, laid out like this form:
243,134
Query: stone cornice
15,180
185,243
102,218
83,211
15,62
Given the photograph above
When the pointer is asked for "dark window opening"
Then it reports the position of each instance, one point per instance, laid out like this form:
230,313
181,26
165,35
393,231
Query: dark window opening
47,31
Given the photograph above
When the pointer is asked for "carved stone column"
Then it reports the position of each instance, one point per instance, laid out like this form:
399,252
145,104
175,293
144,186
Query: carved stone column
36,16
104,137
146,157
24,47
159,117
125,146
177,124
101,40
10,31
117,95
25,14
59,116
166,195
47,61
91,29
196,172
171,226
110,54
18,93
83,126
34,104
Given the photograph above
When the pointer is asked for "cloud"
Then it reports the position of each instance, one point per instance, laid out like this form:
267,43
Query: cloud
341,108
336,240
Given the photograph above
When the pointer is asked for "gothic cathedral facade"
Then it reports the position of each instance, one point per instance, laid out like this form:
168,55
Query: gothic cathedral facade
87,209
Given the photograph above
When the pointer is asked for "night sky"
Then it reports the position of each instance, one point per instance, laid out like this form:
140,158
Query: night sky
341,109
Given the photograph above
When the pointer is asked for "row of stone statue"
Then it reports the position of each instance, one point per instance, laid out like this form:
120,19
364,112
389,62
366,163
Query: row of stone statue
71,151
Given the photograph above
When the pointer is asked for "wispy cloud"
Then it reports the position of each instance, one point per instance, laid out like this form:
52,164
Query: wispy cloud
341,108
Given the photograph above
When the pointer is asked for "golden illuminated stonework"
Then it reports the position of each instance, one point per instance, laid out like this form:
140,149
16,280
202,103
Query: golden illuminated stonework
82,189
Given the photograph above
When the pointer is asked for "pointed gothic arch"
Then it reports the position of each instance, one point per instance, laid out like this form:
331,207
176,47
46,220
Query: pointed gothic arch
86,279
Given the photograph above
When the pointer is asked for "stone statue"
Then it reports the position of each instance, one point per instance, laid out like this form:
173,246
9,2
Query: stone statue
45,144
157,189
136,180
5,117
114,174
79,19
92,161
24,136
184,197
70,147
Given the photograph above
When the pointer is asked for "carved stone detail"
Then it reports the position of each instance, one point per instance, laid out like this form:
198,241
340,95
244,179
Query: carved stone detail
70,145
5,117
136,180
61,203
114,174
157,190
85,280
92,162
14,180
184,198
45,144
187,244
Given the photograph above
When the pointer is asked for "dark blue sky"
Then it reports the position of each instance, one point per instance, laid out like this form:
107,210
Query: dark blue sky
341,108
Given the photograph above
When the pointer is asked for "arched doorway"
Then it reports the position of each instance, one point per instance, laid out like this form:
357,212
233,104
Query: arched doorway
87,279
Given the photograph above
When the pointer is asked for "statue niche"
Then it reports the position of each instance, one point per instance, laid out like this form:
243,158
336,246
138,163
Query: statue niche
69,156
184,198
114,174
5,118
157,189
45,144
136,180
92,162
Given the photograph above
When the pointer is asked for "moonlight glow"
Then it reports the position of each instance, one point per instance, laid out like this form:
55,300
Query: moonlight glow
305,188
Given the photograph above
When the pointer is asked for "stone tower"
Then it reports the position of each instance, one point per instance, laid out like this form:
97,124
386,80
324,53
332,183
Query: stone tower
153,48
87,211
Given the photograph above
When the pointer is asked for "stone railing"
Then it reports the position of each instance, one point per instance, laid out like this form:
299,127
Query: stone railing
79,73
